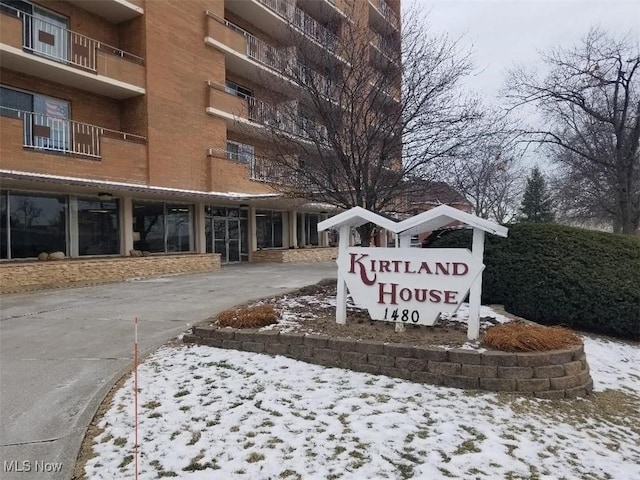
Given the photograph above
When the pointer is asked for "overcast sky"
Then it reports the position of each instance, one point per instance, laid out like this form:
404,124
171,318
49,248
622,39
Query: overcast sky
504,33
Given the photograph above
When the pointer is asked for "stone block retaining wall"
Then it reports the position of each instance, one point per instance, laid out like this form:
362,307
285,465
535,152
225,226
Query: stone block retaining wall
551,375
22,276
296,255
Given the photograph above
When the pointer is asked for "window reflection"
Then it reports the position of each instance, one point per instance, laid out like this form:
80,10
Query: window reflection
269,228
161,228
98,232
38,224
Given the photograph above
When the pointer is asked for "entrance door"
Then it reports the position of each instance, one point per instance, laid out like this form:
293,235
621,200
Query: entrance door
226,239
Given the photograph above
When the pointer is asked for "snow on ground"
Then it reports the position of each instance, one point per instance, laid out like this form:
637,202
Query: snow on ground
294,310
207,413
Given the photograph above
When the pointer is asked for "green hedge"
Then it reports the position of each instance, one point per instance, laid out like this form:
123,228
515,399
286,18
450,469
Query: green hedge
558,275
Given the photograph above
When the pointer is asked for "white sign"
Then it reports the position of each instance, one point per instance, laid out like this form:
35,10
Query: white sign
409,285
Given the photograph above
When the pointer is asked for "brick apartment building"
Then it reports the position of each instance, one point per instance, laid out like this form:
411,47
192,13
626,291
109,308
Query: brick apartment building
132,125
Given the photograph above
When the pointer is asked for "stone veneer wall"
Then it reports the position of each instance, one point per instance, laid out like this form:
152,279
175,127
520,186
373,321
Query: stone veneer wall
296,255
551,375
21,276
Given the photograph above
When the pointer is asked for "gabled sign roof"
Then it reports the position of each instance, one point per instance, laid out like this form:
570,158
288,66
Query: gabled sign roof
355,217
425,222
443,215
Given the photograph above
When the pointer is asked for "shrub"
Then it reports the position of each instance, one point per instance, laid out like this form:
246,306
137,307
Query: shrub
523,337
249,317
558,275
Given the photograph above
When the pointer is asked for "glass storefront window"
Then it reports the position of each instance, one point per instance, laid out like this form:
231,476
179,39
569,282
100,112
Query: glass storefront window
269,228
179,223
148,227
4,231
307,228
38,223
312,229
162,228
98,227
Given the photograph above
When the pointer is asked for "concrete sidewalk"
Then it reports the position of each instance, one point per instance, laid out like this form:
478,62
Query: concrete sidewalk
61,350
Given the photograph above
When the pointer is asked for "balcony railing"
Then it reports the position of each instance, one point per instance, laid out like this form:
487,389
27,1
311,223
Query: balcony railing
60,135
260,169
386,45
303,22
387,12
282,60
62,45
285,119
266,170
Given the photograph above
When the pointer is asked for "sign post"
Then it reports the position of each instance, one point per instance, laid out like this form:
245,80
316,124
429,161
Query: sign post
341,297
473,330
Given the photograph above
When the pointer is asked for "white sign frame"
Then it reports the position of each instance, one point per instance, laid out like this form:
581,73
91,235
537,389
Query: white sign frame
427,221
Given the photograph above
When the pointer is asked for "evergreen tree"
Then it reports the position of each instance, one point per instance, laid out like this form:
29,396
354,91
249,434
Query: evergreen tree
536,203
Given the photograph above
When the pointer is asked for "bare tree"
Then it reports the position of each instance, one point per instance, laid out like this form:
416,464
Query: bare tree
27,212
489,175
374,109
590,101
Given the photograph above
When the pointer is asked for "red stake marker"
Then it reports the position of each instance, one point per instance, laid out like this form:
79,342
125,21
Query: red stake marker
135,396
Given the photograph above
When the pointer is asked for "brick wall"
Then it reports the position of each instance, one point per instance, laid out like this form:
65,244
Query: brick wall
551,375
86,107
121,160
178,66
21,276
84,22
300,255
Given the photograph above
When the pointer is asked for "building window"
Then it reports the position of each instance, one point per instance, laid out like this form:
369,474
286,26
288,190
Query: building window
179,224
269,228
4,226
240,152
37,223
46,119
98,227
307,229
237,90
12,102
33,223
162,228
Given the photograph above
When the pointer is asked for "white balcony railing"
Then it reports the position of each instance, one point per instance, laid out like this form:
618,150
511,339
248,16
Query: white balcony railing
260,169
61,135
286,119
386,45
61,45
388,13
303,22
282,60
266,170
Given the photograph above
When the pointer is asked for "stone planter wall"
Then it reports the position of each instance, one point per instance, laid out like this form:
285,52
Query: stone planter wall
551,375
32,275
296,255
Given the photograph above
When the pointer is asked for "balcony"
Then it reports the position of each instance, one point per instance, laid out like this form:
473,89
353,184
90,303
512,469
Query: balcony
250,115
325,10
116,11
269,16
59,135
382,17
35,47
249,56
385,50
268,171
55,146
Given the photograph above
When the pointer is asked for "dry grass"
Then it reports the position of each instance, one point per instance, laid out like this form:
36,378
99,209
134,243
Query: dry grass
249,317
523,337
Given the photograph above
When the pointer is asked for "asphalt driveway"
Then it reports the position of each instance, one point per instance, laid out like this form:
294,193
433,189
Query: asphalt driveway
61,351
